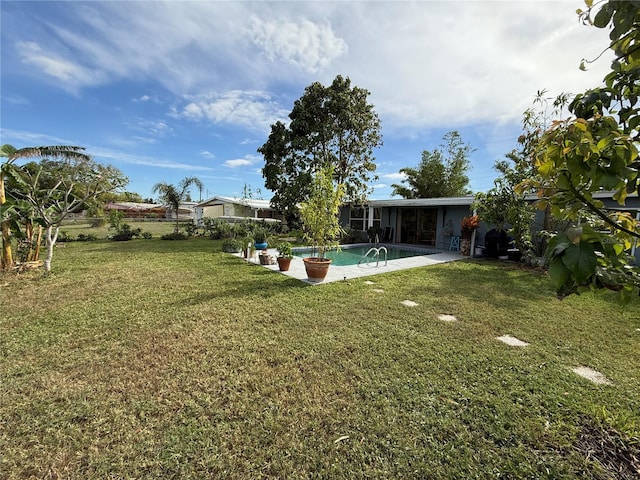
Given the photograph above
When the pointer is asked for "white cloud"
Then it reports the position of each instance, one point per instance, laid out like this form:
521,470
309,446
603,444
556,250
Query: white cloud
305,44
429,64
249,109
393,176
239,162
15,137
147,140
207,154
246,161
155,128
122,157
71,75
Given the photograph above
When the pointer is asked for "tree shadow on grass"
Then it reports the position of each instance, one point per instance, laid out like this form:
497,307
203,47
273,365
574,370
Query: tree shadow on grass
254,282
156,245
500,285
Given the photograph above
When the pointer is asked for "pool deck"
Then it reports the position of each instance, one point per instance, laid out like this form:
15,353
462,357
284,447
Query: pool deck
337,273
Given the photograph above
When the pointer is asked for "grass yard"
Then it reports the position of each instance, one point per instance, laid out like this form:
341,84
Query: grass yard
155,227
158,359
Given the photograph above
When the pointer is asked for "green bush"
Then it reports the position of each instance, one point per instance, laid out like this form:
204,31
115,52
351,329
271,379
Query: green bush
217,228
175,236
125,232
64,236
232,245
191,229
351,235
86,237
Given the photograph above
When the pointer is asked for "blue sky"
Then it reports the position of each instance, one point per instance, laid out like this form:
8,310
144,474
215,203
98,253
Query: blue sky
166,90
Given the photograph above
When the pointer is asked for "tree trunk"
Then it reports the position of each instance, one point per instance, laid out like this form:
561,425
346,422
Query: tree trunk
51,241
28,229
7,257
36,254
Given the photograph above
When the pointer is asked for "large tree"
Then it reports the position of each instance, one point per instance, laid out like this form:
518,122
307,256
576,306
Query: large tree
503,206
441,172
174,195
12,154
331,127
596,150
54,189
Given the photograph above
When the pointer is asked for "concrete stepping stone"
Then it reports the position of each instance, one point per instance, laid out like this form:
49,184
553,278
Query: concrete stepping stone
513,341
409,303
447,318
369,282
592,375
377,290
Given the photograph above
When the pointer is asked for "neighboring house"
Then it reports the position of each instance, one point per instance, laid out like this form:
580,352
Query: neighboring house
137,210
186,211
236,209
434,221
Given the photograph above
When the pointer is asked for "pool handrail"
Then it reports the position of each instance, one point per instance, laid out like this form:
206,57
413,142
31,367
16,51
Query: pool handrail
376,255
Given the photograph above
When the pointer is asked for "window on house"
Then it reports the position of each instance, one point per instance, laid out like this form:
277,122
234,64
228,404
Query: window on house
359,218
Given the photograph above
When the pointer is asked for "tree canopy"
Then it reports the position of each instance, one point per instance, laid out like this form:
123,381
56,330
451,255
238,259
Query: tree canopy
502,206
49,191
331,127
593,151
7,204
441,172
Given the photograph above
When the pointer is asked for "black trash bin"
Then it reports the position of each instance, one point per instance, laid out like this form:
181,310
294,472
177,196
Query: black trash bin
496,243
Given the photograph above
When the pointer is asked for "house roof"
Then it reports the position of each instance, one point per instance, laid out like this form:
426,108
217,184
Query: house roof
423,202
247,202
465,201
133,205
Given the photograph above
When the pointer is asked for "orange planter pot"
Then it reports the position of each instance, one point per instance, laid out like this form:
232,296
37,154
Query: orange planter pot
284,263
316,268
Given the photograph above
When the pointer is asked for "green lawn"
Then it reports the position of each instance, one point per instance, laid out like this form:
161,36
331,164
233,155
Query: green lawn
168,359
155,227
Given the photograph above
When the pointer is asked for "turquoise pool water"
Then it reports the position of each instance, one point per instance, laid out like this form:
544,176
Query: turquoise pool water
351,255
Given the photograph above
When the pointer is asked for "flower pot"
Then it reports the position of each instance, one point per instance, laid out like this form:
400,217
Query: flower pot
284,263
316,268
265,259
261,245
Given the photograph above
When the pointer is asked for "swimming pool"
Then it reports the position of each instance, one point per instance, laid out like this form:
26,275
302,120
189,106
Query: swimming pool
351,254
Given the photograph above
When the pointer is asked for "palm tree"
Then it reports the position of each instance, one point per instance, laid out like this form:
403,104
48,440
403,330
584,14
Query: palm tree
174,196
12,154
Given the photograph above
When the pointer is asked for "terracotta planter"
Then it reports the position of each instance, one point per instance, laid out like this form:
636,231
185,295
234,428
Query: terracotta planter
316,268
284,263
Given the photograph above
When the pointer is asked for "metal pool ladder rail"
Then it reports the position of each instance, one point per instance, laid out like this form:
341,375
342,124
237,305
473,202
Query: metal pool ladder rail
376,255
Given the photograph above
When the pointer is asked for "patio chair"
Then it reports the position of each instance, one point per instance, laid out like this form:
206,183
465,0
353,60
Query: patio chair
454,246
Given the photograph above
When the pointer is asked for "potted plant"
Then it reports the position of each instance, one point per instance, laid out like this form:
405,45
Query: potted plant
467,227
285,254
320,217
260,238
247,247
